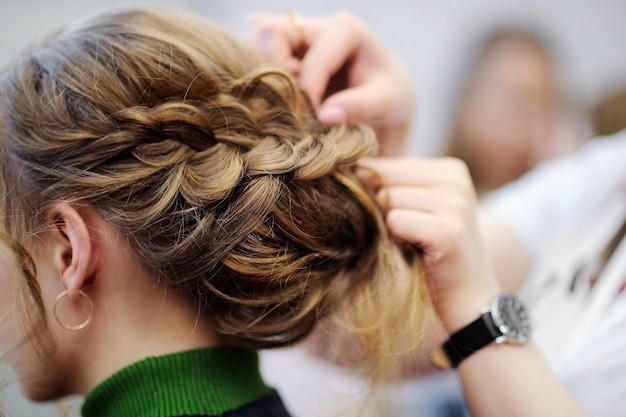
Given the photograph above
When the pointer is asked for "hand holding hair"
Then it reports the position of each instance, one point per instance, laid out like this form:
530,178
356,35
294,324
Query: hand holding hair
432,204
348,73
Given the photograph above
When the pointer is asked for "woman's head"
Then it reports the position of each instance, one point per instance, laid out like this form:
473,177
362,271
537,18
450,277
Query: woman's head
159,139
505,111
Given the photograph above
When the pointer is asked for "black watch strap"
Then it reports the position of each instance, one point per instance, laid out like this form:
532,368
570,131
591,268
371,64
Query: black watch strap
470,339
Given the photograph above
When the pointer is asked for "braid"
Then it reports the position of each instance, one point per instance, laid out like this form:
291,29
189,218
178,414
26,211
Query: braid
214,168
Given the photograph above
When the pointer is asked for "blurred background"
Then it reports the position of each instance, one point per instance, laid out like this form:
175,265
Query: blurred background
502,84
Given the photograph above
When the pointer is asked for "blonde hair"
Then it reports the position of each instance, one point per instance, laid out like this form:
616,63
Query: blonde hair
215,169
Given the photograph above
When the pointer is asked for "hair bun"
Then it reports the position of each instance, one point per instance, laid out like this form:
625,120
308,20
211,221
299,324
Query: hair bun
216,172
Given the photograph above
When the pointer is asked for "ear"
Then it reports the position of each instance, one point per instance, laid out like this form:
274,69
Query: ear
72,250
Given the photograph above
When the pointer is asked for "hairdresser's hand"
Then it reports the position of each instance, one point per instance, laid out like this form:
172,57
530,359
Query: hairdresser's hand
431,204
349,74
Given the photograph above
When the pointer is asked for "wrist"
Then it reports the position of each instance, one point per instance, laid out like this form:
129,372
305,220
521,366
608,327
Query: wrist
504,320
464,309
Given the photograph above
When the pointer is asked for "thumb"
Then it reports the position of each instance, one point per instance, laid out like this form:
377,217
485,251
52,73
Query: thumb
360,104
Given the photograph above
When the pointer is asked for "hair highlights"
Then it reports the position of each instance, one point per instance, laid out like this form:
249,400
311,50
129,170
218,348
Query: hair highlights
217,172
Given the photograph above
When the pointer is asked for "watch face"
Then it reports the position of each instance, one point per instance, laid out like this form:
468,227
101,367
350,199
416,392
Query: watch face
512,318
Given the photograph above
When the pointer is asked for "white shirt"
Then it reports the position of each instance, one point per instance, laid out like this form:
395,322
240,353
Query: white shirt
565,213
544,204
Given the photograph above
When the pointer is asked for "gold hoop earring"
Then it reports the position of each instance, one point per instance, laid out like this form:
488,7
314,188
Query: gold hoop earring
76,327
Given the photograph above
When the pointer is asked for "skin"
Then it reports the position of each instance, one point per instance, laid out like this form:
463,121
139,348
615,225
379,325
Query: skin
133,316
311,52
435,209
506,116
431,204
282,43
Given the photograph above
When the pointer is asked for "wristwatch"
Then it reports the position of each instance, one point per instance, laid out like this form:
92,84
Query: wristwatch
505,320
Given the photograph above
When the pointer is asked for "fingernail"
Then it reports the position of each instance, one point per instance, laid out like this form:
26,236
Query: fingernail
331,115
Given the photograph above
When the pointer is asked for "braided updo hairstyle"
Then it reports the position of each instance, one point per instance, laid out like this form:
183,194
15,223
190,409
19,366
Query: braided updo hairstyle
216,171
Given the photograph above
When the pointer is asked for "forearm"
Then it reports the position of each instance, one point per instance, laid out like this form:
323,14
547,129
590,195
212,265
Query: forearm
508,258
514,381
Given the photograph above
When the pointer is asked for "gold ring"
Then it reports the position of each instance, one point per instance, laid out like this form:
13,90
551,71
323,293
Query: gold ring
297,21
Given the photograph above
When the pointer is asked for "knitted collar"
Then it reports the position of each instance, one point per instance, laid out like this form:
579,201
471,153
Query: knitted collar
208,381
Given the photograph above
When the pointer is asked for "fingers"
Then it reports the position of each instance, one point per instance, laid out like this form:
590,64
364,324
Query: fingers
340,54
431,204
450,172
428,202
419,228
277,39
361,104
330,42
330,50
282,42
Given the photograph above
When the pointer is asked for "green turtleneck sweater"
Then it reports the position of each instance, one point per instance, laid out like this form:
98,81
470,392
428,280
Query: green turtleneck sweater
207,382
